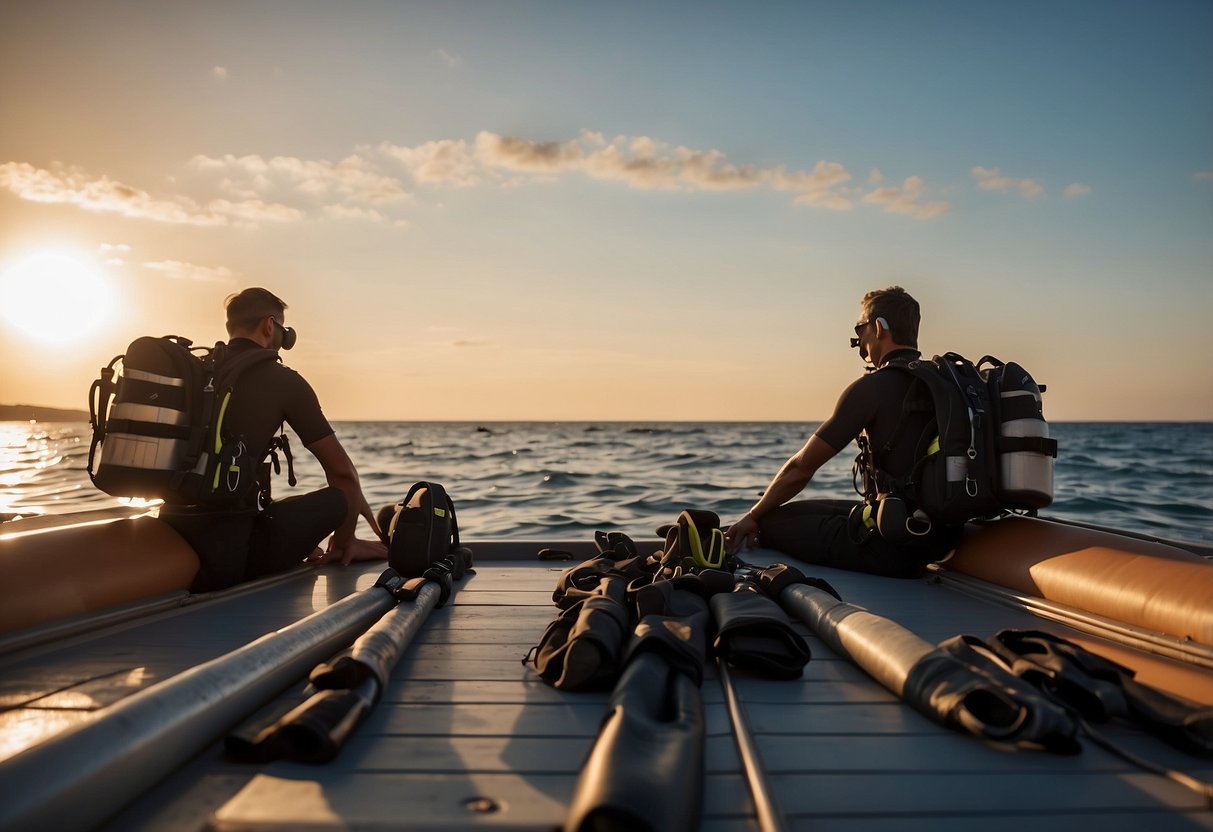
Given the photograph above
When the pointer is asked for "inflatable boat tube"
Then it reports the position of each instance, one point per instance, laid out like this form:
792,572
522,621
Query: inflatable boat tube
56,571
1139,582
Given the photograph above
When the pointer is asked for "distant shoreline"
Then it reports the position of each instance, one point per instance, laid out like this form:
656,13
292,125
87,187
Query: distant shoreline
35,413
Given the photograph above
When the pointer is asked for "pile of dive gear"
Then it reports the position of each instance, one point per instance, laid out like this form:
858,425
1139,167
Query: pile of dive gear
643,626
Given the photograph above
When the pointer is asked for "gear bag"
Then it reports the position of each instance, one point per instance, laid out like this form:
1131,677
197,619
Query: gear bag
158,422
423,530
986,448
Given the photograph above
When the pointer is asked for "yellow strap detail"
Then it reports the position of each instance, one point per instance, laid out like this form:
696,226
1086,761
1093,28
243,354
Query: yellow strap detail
439,512
933,448
868,520
715,558
227,397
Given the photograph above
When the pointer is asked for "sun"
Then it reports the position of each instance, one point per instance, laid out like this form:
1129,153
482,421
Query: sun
55,297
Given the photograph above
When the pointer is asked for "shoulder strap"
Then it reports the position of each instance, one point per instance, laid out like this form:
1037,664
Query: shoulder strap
99,396
228,369
198,401
440,499
913,402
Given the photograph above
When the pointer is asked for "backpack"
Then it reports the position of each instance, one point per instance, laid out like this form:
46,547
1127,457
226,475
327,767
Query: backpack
158,422
424,530
986,448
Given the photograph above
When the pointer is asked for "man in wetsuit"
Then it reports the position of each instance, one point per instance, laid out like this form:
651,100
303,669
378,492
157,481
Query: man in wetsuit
824,531
248,541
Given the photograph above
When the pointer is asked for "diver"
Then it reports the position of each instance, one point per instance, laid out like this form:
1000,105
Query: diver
261,536
870,410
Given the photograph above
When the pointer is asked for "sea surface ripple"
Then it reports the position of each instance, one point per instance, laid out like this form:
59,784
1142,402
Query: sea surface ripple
563,480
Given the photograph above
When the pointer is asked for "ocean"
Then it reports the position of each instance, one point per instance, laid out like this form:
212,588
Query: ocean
563,480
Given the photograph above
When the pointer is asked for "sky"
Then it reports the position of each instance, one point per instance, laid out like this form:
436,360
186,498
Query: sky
662,210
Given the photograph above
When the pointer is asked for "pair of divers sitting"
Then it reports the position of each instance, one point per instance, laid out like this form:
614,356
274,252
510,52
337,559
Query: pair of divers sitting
253,541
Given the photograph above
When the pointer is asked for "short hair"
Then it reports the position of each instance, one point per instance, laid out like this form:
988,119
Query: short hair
899,309
246,309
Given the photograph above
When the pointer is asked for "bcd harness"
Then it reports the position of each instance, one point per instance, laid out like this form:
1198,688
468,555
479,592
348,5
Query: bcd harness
985,448
159,423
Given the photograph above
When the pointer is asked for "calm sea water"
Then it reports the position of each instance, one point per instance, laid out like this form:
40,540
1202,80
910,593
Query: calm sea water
533,480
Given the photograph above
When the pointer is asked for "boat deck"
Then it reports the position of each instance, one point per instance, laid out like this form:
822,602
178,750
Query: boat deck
467,737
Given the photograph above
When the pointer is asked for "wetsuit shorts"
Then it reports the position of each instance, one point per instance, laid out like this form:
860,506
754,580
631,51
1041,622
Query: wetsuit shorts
821,532
236,546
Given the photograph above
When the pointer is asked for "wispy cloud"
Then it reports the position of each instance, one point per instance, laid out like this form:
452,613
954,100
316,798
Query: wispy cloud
993,179
219,73
1076,190
99,193
639,162
443,162
105,195
907,199
367,184
113,254
1203,176
448,58
178,270
352,178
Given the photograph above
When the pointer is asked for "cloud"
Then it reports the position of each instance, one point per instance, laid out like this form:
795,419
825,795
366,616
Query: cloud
351,212
254,211
816,187
448,161
178,270
1076,190
907,199
639,162
1203,176
354,178
992,179
252,189
100,194
104,195
219,73
448,58
525,155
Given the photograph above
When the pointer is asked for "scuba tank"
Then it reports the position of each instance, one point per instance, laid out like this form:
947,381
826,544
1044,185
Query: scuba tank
1024,448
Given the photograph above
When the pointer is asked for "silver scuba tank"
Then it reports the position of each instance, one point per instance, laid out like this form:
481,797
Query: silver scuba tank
1025,449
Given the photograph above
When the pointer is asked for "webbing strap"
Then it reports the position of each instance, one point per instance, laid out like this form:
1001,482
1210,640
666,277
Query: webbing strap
1035,444
154,429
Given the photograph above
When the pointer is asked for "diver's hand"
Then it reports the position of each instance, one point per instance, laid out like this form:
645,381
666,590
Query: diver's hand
744,531
354,550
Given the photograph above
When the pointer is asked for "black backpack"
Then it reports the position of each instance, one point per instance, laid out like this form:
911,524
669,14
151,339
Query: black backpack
158,423
423,531
984,450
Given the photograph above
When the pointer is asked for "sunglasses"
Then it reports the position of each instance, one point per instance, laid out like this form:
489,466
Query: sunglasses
859,328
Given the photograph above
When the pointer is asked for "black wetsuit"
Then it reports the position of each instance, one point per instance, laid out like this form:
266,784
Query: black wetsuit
243,542
821,531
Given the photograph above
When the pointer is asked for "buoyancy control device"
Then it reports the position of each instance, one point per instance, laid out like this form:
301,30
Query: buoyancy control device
986,448
158,418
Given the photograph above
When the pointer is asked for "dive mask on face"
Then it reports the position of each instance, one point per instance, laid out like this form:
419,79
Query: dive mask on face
288,335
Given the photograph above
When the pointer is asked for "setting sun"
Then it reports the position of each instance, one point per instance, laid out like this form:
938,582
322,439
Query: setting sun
55,297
